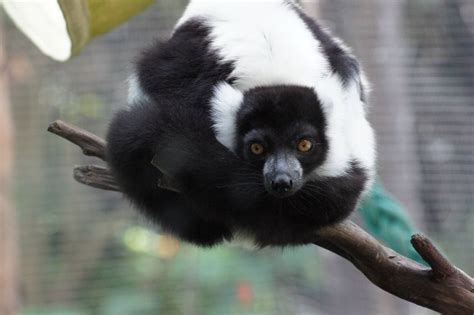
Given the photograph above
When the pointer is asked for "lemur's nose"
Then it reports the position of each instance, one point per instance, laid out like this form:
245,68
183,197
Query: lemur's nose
282,183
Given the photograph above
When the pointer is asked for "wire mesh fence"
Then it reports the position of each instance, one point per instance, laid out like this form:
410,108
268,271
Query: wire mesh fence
85,251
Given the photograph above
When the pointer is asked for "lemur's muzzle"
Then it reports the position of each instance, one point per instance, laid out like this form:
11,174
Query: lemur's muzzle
283,174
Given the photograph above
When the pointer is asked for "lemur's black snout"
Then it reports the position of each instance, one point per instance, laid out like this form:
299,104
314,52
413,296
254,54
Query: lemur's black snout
282,183
283,175
283,186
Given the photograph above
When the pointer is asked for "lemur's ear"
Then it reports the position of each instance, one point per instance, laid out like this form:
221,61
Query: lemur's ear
225,104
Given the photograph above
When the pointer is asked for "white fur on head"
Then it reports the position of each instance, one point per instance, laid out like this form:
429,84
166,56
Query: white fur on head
265,40
350,136
225,104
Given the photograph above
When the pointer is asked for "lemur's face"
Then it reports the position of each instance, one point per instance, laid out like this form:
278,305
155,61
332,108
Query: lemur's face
281,131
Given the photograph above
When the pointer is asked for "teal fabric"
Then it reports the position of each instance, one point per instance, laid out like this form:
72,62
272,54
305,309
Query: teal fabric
386,219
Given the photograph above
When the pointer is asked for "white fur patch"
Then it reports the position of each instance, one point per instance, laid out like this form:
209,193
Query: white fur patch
350,135
225,104
266,40
135,92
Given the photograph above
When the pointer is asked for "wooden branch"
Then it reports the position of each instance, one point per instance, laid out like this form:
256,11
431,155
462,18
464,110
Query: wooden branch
95,176
443,287
90,144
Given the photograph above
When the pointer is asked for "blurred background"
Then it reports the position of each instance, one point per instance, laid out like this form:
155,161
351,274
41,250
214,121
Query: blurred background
83,251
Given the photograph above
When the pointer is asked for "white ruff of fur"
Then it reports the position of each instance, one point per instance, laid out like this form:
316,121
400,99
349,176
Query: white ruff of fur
350,135
269,44
266,41
225,104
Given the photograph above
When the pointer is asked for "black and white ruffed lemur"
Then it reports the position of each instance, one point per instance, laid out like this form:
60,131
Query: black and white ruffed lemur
257,113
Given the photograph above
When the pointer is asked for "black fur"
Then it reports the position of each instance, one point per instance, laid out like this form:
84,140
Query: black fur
178,75
283,111
221,192
342,62
183,68
282,115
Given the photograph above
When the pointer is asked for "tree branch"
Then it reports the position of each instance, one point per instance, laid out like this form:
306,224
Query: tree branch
443,287
90,144
95,176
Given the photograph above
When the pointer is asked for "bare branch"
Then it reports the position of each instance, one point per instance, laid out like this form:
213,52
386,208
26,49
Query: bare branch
452,293
443,288
101,177
95,176
90,144
439,264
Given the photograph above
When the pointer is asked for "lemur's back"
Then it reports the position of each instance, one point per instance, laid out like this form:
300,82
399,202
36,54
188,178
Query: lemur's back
267,42
248,44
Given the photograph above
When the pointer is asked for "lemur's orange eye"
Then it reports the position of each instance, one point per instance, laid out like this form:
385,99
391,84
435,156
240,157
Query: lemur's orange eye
305,145
257,148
